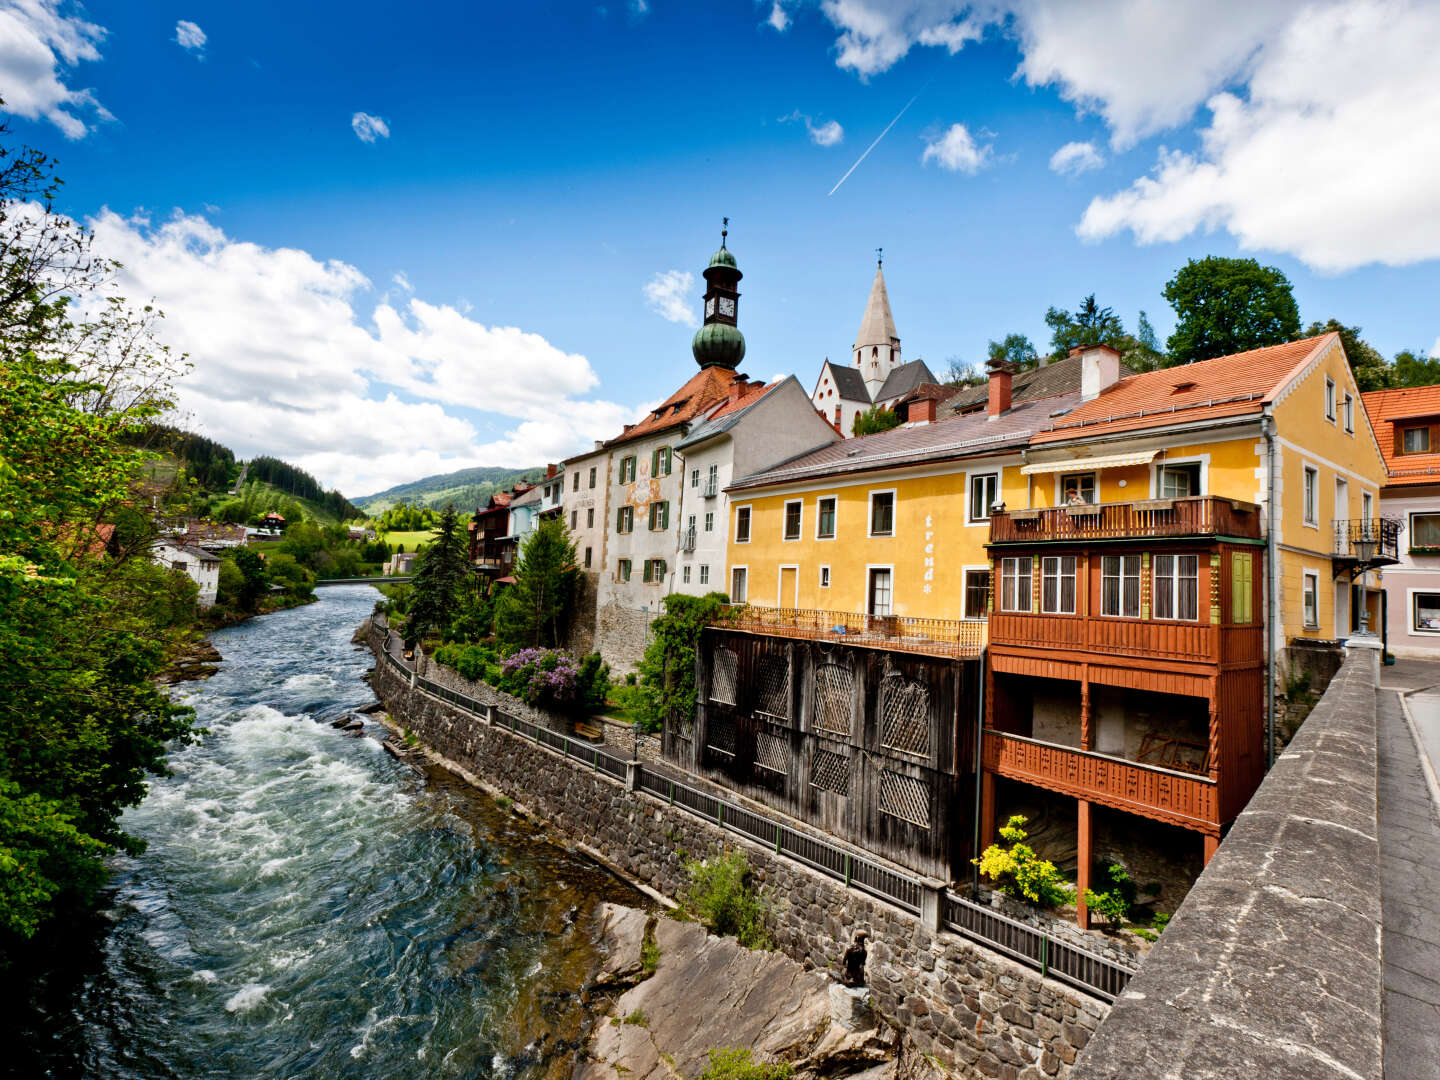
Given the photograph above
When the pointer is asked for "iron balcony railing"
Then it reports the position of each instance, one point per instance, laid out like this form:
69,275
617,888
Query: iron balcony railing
1352,537
712,487
1201,515
687,539
1029,945
902,633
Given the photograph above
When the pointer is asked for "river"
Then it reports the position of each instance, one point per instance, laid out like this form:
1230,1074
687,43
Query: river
308,906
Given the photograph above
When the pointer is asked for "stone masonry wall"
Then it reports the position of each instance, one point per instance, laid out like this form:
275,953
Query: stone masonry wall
1272,965
969,1007
620,635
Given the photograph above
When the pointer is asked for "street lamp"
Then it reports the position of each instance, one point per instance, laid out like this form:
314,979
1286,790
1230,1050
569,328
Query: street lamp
1365,554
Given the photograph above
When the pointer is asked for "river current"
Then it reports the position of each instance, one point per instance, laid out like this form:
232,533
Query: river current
310,907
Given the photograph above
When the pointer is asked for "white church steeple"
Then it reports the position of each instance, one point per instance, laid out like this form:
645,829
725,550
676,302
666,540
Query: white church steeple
877,345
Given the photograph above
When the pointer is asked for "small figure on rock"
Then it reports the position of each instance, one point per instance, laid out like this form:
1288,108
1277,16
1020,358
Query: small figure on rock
854,961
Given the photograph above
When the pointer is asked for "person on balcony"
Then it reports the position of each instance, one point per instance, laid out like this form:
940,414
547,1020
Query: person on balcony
1073,497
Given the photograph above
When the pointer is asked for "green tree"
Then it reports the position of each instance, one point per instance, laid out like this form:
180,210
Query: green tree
252,576
1089,324
441,577
874,420
1014,349
1145,354
1366,362
535,610
1226,306
667,670
1413,368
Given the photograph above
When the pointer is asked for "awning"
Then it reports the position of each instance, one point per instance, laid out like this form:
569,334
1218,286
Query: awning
1089,464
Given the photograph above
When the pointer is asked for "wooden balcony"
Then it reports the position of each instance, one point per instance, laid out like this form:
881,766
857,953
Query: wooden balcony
1202,643
1200,516
1148,790
901,633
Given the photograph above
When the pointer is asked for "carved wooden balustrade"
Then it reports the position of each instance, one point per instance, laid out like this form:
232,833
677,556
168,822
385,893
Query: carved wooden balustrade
1201,515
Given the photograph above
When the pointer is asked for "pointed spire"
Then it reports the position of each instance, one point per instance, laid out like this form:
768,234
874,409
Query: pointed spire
878,325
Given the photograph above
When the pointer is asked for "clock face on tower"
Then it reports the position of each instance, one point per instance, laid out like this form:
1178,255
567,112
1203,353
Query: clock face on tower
709,307
727,306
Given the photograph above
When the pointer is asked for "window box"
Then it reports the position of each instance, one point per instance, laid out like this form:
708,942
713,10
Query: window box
1425,551
1083,510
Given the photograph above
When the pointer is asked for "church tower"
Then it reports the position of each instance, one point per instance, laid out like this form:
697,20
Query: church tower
877,345
718,342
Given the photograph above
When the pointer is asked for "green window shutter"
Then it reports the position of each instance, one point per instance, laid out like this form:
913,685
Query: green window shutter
664,515
620,519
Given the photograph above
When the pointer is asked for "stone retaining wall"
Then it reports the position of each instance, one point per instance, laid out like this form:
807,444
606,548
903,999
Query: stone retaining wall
1272,965
969,1007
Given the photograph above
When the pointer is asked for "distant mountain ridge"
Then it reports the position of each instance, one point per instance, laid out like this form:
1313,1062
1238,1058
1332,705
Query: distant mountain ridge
466,488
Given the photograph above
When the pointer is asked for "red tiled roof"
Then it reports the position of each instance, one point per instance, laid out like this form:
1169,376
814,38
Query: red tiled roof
1387,407
703,390
751,394
1206,390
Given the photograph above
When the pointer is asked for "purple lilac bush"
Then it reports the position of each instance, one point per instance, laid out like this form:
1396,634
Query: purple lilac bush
541,677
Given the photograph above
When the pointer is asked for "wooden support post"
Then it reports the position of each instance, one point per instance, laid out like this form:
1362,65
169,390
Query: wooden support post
1087,726
987,810
1212,844
1083,859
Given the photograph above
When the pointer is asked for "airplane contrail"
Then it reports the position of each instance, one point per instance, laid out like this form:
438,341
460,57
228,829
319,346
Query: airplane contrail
872,146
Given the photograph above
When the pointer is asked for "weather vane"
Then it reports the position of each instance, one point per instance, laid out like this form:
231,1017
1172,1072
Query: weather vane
724,230
880,256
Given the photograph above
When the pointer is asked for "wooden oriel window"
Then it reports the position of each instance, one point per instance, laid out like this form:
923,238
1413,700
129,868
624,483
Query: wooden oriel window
1015,573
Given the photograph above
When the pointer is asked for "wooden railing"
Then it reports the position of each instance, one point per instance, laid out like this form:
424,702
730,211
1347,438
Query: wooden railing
1202,515
903,633
1125,785
1120,637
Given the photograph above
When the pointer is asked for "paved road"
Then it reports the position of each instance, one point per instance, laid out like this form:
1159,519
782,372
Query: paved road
1410,869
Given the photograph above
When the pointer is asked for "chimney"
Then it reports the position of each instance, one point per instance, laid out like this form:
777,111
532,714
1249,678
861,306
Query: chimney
1000,379
738,387
922,411
1099,368
550,471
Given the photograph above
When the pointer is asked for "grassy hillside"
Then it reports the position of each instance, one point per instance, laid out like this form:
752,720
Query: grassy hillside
467,489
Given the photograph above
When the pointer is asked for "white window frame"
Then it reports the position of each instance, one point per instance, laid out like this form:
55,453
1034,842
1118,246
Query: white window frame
1341,511
836,516
1157,467
965,572
970,478
1410,595
704,573
1349,413
1173,586
1410,526
1329,399
1310,495
685,574
749,523
870,518
1060,577
824,576
1060,486
1007,570
710,521
694,478
1310,595
785,521
744,572
1121,578
870,568
780,584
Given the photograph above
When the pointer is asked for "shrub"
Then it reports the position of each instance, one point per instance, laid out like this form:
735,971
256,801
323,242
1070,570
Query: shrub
737,1063
649,953
1018,871
667,672
547,678
592,688
1114,904
721,896
477,662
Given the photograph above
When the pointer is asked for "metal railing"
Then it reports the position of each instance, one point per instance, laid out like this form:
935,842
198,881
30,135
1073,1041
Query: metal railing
712,487
902,633
1092,974
1348,534
687,539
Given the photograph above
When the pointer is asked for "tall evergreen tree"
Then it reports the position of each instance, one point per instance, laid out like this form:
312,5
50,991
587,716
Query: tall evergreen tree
536,609
441,576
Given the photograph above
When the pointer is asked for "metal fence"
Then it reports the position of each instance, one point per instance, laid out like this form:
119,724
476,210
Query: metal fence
1028,945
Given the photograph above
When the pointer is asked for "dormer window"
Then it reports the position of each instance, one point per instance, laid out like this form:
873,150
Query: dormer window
1180,388
1416,440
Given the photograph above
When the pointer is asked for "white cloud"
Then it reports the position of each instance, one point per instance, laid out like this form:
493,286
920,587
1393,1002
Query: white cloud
1076,157
669,295
957,151
369,128
189,36
779,19
639,8
1435,349
874,34
289,361
403,281
37,45
1332,155
829,133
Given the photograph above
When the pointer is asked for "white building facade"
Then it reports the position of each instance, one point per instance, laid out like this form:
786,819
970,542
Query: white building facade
202,567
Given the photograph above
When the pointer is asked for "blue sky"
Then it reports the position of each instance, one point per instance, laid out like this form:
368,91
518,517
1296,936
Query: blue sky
468,283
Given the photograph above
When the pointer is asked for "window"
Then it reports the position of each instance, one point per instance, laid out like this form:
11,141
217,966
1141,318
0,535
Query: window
792,519
737,585
1350,412
824,577
577,479
1057,584
1015,583
1367,505
1416,440
694,478
712,479
660,461
1180,481
590,518
627,470
654,571
622,570
1077,487
659,516
710,522
704,574
587,557
977,594
882,513
592,478
1425,612
1312,485
625,519
685,573
742,524
1120,586
1242,587
1424,531
984,491
1310,599
1177,587
574,520
825,518
880,591
1330,399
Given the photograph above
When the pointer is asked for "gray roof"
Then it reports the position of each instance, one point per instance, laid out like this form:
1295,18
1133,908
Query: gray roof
849,383
191,550
718,425
903,379
1058,377
971,435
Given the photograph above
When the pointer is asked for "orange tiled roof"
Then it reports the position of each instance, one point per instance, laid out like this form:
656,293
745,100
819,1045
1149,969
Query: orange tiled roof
1205,390
751,394
704,389
1385,408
